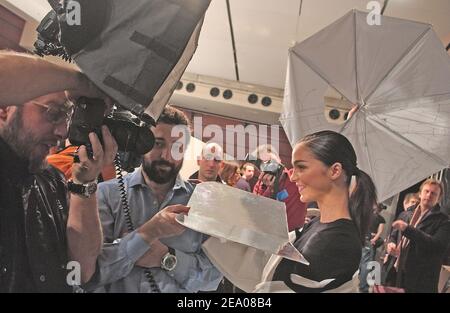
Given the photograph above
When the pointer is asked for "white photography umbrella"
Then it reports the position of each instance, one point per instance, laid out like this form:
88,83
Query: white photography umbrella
397,73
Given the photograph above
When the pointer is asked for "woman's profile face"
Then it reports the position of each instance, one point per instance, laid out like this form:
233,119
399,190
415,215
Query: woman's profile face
235,177
310,175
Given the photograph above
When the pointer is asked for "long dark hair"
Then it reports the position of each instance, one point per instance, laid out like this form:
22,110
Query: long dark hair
228,172
330,147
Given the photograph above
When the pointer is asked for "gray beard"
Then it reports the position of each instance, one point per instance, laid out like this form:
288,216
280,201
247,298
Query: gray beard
22,145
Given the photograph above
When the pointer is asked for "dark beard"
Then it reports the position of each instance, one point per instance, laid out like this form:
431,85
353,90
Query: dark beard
159,177
22,145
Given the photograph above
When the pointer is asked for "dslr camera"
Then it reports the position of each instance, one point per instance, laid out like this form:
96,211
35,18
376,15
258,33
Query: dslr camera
102,36
271,167
134,138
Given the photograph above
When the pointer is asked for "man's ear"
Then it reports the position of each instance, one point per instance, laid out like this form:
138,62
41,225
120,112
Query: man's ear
335,171
5,112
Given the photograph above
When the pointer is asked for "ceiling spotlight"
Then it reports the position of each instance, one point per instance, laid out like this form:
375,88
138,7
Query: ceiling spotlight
179,85
214,92
266,101
252,98
190,87
227,94
334,114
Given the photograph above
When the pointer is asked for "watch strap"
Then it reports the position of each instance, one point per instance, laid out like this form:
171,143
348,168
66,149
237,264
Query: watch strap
85,190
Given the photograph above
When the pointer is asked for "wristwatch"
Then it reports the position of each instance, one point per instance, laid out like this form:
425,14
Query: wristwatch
169,260
85,190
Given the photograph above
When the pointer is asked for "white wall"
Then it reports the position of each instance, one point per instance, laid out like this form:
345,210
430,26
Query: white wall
190,158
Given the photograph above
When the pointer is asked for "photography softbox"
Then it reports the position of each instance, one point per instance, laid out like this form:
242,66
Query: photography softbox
136,50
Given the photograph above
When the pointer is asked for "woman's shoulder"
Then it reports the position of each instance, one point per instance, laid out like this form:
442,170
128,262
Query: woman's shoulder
338,234
342,229
340,225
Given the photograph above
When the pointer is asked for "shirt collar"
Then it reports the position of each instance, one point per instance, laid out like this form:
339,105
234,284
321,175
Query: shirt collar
195,176
137,179
179,183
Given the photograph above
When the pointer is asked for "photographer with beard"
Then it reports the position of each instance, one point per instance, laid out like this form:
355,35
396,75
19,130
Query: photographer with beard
141,260
39,234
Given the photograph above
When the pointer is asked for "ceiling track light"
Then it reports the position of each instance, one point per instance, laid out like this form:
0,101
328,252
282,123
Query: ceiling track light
266,101
190,87
227,94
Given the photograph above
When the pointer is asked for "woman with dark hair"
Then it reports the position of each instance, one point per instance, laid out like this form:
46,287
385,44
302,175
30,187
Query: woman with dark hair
325,171
230,173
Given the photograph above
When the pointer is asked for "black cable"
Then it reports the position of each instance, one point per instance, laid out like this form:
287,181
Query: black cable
233,43
126,209
123,194
384,6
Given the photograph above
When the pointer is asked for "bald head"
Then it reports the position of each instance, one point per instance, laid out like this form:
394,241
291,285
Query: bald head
209,162
212,151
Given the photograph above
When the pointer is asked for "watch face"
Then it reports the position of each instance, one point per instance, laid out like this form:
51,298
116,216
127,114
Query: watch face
91,188
169,262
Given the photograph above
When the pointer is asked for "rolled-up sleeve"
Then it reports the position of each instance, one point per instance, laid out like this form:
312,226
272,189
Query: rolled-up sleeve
116,266
117,259
118,256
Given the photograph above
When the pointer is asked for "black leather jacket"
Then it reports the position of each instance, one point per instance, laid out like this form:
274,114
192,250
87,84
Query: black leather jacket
33,219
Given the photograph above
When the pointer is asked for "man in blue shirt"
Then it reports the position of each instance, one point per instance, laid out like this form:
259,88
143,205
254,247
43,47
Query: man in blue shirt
132,260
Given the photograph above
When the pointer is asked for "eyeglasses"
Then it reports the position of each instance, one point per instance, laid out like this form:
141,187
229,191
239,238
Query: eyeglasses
56,113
